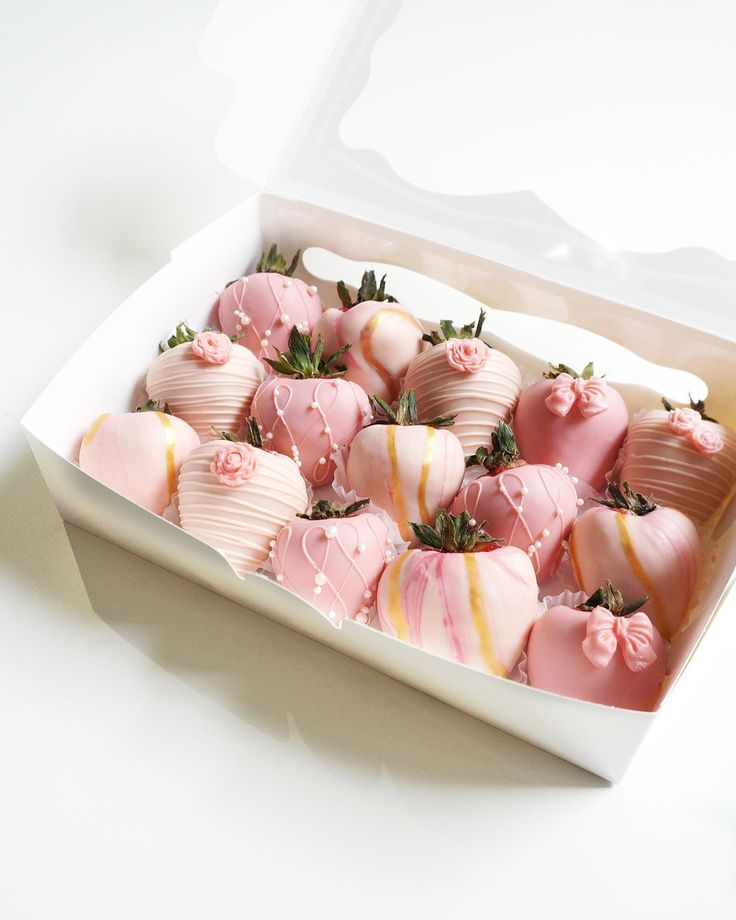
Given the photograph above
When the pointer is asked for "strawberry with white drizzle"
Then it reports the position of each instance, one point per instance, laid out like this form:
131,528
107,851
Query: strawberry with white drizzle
263,307
384,336
456,599
333,558
206,379
644,548
307,410
237,497
409,467
605,651
576,421
461,375
531,505
682,457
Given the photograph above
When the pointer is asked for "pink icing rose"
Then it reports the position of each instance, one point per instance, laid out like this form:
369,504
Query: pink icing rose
706,440
683,421
213,347
234,463
466,355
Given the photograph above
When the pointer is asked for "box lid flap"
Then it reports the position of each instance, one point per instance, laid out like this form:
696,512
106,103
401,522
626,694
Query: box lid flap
383,110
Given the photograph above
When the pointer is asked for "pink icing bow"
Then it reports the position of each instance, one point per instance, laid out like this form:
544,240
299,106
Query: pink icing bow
567,391
606,632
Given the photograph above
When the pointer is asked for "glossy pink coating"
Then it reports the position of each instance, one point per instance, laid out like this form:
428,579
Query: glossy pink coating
138,454
473,608
531,506
411,471
240,520
587,445
383,338
655,554
263,308
556,662
479,396
206,395
308,420
334,564
660,461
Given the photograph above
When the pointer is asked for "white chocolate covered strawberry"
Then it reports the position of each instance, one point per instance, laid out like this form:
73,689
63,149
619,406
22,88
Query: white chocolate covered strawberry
644,548
455,598
307,410
461,375
575,420
530,505
237,497
206,379
333,558
605,651
138,454
682,457
408,467
382,334
262,308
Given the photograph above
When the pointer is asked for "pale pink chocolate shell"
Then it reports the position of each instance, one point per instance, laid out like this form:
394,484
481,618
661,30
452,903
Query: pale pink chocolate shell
138,454
478,399
240,521
473,608
206,395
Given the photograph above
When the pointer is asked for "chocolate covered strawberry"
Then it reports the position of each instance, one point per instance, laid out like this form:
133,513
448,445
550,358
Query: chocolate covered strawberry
263,307
307,410
237,497
605,651
456,599
644,548
461,375
207,379
682,457
409,467
575,420
531,505
138,454
333,558
382,334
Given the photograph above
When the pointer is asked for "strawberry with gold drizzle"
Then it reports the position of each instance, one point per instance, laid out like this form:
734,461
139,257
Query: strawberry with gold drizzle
455,599
409,467
643,548
384,336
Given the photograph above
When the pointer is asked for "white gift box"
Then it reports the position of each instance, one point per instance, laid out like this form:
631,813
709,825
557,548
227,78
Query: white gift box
438,267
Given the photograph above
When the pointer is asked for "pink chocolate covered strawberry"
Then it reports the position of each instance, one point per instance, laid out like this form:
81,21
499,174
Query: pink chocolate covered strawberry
207,379
263,307
530,505
682,457
383,336
644,548
603,651
455,599
237,497
138,454
409,467
575,420
461,375
307,410
333,558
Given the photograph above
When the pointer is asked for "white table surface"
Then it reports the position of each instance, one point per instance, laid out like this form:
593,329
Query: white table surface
165,753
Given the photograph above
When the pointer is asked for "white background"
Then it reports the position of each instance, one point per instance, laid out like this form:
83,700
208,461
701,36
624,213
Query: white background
164,753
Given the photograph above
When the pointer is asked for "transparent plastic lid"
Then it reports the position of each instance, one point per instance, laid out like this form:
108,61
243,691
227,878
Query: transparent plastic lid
593,145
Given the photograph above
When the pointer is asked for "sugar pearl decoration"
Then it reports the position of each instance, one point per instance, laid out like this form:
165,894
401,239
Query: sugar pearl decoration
579,502
331,532
320,578
314,404
524,490
279,578
285,319
366,594
361,547
545,532
316,590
